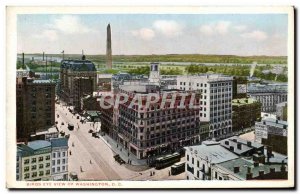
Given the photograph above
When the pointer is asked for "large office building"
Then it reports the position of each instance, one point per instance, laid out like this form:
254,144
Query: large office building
78,79
269,95
147,132
35,102
215,102
35,160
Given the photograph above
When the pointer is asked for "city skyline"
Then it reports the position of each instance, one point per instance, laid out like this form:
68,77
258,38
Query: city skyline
221,34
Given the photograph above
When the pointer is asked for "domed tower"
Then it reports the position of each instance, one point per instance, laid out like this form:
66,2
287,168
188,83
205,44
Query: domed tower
154,73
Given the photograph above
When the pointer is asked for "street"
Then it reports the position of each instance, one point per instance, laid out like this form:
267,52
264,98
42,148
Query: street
92,158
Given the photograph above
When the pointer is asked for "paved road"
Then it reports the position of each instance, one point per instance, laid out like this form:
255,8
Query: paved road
103,166
84,138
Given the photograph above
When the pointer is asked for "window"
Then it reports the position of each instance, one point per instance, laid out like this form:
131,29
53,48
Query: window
47,171
53,155
48,157
58,169
58,161
187,157
41,166
216,175
192,160
53,170
26,176
63,168
198,165
48,164
41,173
26,169
64,161
41,158
58,154
34,174
53,162
33,167
64,154
33,160
26,161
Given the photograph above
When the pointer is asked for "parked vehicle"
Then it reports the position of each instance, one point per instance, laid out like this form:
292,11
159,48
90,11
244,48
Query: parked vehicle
166,161
91,131
62,123
73,176
70,126
178,168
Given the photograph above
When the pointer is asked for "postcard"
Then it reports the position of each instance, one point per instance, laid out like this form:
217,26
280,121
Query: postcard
150,97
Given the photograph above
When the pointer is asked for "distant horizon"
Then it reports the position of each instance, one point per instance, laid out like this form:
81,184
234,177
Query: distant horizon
146,34
153,54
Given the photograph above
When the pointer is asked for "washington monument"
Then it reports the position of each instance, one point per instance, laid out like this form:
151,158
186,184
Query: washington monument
108,48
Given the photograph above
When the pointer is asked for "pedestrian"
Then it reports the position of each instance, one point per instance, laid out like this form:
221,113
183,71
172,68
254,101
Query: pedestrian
169,173
128,161
121,149
153,172
81,169
117,145
128,154
150,173
90,161
70,152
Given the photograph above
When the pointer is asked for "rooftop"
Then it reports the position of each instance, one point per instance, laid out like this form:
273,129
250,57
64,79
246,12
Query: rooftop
245,145
213,153
243,165
243,101
39,144
78,65
266,88
274,122
59,142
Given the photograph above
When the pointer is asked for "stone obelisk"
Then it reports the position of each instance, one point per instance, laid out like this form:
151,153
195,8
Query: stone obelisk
108,48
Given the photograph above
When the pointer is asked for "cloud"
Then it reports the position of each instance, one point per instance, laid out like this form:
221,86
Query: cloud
240,28
168,28
70,25
50,35
217,28
144,33
255,35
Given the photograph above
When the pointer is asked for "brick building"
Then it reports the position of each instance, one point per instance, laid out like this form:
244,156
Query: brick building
78,79
35,104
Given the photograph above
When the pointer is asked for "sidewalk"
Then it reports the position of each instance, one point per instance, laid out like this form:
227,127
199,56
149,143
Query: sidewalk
124,153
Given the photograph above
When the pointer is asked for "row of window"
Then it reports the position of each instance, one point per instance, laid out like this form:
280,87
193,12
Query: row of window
34,160
58,162
59,154
35,174
58,169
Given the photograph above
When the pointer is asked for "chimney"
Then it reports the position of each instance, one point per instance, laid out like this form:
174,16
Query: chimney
272,170
246,101
231,148
264,122
236,169
226,142
239,146
249,143
261,173
256,163
249,173
23,60
234,140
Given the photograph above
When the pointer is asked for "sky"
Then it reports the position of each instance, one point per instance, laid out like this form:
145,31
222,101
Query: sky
144,34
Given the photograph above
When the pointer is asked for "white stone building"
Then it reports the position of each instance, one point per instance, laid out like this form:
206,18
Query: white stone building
215,100
200,159
59,153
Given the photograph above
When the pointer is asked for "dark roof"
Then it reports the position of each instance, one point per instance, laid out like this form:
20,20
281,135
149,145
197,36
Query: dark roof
78,65
243,165
59,142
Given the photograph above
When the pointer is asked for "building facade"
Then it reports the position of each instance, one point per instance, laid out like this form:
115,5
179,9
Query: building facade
281,111
59,154
35,106
78,78
245,112
215,102
149,131
272,132
234,159
268,95
200,159
34,160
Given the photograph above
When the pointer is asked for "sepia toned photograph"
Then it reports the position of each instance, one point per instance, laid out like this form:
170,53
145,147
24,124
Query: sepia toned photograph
150,97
